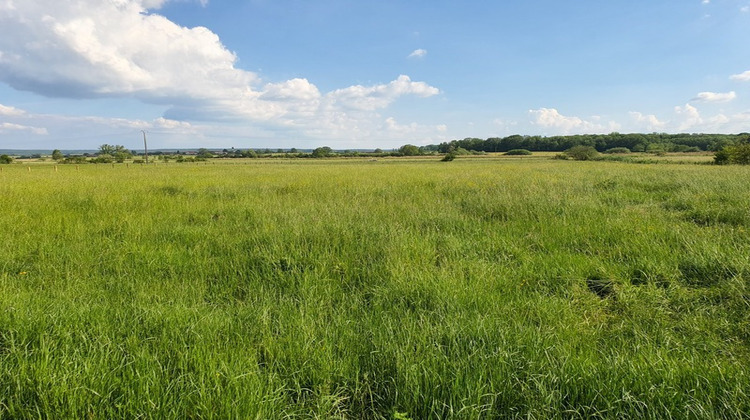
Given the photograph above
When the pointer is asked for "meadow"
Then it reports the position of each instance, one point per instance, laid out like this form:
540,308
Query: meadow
407,289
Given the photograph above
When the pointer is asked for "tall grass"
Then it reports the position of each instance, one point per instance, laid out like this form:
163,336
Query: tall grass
470,289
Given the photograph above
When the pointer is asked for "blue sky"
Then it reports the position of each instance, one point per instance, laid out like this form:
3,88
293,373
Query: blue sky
356,74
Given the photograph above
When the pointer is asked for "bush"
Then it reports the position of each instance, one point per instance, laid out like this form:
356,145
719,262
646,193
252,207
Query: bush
448,157
738,154
5,159
721,157
581,153
409,150
75,160
617,150
322,152
517,152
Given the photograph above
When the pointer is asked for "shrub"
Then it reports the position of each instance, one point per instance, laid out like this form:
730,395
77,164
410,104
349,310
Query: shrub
322,152
75,160
721,157
409,150
738,154
448,157
582,152
617,150
517,152
5,159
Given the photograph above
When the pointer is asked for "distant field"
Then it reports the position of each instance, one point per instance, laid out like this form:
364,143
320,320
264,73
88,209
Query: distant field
480,288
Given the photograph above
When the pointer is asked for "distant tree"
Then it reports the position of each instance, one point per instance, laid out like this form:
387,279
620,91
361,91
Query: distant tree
293,150
57,155
204,154
5,159
322,152
107,149
111,153
378,151
582,152
409,150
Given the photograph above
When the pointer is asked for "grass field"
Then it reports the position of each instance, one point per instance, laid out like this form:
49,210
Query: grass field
479,288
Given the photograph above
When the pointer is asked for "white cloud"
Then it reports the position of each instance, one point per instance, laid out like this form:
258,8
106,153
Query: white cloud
742,77
6,127
561,124
117,48
705,1
647,122
714,97
379,96
418,53
9,111
690,117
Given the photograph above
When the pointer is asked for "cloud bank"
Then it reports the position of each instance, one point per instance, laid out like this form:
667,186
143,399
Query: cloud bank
122,48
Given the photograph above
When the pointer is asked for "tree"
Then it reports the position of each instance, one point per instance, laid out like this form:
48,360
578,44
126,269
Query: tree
57,155
582,152
5,159
113,152
322,152
204,154
409,150
740,154
107,149
448,157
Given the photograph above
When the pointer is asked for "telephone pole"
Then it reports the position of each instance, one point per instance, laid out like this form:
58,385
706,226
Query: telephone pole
145,146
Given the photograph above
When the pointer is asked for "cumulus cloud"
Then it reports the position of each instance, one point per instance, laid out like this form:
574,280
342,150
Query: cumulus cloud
714,97
91,48
379,96
418,53
120,48
561,124
742,77
689,115
647,122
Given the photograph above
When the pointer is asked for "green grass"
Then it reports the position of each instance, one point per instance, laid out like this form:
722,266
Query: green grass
480,288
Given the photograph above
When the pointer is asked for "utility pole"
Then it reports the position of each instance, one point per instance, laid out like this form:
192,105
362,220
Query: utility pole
145,146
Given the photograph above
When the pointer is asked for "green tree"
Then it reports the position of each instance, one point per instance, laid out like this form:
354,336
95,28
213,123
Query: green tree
322,152
409,150
582,152
5,159
109,152
740,153
204,154
57,155
107,149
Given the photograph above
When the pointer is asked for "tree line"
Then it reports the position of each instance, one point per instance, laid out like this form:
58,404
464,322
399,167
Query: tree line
635,142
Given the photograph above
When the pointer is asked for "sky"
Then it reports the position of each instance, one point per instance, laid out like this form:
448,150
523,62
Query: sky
354,74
